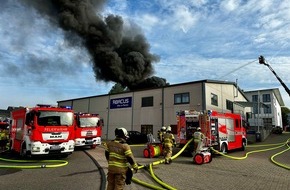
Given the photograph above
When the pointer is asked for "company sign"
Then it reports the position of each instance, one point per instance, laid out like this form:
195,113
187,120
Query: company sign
121,103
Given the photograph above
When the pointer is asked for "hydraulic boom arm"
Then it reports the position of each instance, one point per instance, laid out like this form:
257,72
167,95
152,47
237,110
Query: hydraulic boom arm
262,61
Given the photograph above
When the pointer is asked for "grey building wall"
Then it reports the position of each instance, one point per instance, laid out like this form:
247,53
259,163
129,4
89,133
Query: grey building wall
163,111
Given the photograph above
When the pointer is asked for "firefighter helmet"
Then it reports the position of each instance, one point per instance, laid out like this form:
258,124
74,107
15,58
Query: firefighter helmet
121,132
168,129
198,129
163,128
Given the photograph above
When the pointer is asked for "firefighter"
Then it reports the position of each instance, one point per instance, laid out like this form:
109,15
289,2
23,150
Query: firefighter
118,153
168,143
3,140
161,133
198,141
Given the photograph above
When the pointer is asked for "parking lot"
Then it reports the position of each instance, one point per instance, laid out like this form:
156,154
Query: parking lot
256,171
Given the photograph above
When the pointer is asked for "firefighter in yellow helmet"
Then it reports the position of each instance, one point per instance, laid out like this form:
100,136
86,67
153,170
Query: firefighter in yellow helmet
168,143
161,133
118,153
198,141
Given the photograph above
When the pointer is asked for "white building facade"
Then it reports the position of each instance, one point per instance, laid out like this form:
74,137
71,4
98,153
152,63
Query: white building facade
266,107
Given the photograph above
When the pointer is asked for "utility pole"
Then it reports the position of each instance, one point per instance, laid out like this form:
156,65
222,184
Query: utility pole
262,61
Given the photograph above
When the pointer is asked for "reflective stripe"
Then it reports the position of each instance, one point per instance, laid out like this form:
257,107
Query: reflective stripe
118,164
118,156
128,152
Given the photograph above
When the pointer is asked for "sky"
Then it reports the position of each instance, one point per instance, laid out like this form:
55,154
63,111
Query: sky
41,63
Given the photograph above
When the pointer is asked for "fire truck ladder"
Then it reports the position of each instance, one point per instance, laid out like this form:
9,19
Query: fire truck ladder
262,61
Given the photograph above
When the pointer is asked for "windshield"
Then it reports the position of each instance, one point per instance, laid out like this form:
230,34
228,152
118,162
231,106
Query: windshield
54,118
89,122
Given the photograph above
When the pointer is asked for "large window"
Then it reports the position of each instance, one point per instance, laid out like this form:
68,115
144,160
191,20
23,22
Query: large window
266,98
255,108
267,109
147,101
254,98
214,99
147,129
182,98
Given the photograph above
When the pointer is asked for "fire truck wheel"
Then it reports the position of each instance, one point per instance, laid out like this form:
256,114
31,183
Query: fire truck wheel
224,148
23,150
243,146
198,159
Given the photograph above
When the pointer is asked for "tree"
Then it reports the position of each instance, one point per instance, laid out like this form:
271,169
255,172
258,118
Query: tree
117,88
285,111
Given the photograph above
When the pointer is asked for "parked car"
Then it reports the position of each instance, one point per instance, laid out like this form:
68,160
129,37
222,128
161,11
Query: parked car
135,137
277,130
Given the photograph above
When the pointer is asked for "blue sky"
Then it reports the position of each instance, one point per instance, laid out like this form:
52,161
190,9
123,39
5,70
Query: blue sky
195,40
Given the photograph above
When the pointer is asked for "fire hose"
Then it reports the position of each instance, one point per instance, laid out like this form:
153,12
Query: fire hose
166,186
149,166
276,146
44,163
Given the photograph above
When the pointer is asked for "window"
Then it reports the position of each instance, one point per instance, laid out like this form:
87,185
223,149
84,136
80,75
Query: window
266,98
255,104
182,98
147,101
267,109
254,98
229,105
147,129
214,99
255,108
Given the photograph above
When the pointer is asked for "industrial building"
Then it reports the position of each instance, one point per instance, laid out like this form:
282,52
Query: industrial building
149,109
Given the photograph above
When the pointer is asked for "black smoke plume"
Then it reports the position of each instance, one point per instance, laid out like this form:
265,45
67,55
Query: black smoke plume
118,56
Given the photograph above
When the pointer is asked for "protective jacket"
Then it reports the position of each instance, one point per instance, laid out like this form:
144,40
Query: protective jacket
198,136
168,140
118,153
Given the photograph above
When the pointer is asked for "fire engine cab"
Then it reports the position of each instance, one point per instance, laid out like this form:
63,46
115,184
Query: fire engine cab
42,130
223,131
88,129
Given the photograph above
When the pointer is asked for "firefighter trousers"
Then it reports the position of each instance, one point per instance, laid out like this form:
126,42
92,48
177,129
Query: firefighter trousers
116,181
167,152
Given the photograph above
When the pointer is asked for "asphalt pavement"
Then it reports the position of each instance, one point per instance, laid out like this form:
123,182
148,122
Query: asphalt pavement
249,169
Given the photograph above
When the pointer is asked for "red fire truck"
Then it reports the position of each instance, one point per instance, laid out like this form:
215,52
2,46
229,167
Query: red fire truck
88,129
42,130
223,131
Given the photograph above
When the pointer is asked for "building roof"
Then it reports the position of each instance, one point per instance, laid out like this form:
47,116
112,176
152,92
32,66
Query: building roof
172,85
